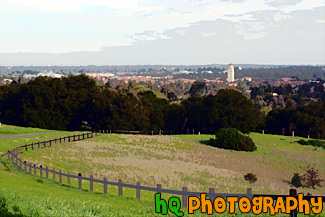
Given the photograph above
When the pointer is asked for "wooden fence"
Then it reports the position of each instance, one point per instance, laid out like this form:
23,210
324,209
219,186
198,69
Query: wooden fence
135,132
29,168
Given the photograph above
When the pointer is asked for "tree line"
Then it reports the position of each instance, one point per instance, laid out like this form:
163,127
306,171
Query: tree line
74,102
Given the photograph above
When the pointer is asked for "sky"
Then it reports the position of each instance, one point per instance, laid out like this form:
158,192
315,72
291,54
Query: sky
118,32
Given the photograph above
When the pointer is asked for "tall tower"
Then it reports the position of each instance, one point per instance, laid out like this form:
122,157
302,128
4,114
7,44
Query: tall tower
231,73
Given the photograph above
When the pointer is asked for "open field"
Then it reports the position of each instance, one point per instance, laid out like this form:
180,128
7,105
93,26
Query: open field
13,130
9,144
128,157
177,161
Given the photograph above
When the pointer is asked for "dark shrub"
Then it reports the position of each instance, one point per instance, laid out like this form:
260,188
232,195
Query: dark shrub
312,178
313,142
231,138
251,177
296,180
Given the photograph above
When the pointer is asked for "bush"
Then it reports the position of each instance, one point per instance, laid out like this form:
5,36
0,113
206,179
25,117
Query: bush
251,177
230,138
312,178
296,180
313,142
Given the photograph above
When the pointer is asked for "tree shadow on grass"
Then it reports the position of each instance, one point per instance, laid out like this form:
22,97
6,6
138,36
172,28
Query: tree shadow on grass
206,142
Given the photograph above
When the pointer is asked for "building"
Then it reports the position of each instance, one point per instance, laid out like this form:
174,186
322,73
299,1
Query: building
231,73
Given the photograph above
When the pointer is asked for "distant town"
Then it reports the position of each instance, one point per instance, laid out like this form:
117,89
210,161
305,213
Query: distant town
174,82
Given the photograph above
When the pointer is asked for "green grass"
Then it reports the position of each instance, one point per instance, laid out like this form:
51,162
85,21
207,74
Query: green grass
181,160
9,144
33,196
274,162
13,130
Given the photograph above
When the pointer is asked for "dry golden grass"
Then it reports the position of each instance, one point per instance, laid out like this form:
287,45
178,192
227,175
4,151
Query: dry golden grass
177,161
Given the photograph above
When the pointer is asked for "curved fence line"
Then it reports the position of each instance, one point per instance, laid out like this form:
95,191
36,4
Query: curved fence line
28,168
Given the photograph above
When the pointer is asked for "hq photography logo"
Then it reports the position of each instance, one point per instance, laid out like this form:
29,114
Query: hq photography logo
256,205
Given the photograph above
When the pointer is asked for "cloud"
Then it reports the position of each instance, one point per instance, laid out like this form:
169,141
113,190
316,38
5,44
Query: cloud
263,41
149,36
234,1
279,3
251,30
182,31
209,34
320,21
278,17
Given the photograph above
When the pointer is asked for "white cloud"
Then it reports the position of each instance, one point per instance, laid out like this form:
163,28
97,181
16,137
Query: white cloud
278,17
99,23
182,32
278,3
251,30
320,21
208,34
149,36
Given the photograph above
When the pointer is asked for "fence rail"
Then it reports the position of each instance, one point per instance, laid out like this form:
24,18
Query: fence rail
140,132
28,168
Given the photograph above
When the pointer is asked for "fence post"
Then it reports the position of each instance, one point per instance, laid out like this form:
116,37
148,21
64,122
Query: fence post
35,169
211,191
74,137
54,174
69,181
41,171
20,163
158,187
38,145
79,181
120,188
60,140
184,197
47,172
25,147
30,168
25,166
91,183
50,143
293,193
8,155
60,177
68,138
64,139
32,146
105,186
138,190
250,193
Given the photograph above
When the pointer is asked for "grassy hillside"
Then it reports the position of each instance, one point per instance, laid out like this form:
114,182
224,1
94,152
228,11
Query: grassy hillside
9,144
177,161
173,161
13,130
